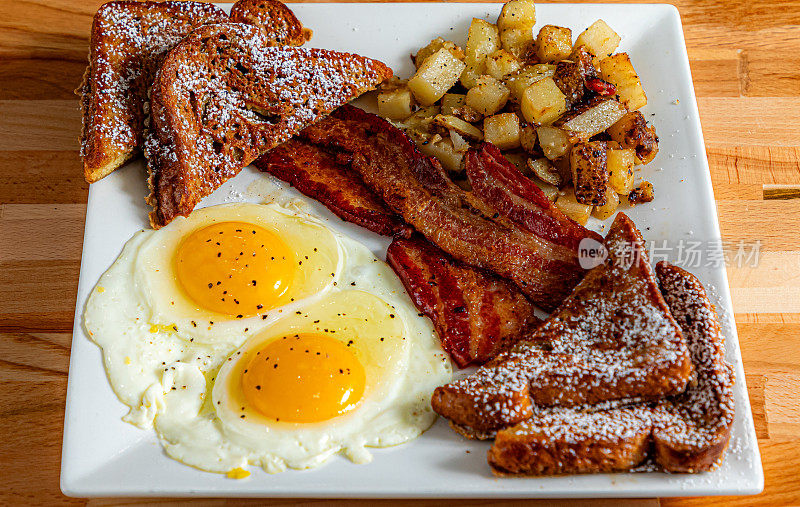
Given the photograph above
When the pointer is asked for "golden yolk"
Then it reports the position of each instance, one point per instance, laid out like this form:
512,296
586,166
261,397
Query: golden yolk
235,268
303,378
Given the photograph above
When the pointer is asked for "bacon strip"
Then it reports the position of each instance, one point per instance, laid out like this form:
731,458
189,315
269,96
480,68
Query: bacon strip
319,175
477,315
496,180
418,189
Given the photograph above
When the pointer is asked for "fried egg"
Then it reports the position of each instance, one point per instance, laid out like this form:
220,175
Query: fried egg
307,347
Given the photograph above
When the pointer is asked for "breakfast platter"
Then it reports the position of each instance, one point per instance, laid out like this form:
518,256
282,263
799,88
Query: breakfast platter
380,444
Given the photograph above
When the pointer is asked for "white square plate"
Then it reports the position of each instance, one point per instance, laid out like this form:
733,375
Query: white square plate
104,456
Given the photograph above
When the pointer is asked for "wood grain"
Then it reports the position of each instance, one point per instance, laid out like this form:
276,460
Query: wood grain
745,59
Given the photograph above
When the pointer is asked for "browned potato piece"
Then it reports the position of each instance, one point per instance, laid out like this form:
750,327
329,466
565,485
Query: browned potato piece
606,210
545,171
527,138
589,172
543,102
457,124
599,39
434,46
422,119
488,96
594,118
642,193
502,130
519,81
554,142
501,63
451,101
618,70
396,104
553,43
577,211
438,73
439,147
519,159
550,191
632,131
620,170
517,14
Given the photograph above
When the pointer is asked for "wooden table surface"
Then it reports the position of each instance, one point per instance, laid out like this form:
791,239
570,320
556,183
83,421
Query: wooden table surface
745,57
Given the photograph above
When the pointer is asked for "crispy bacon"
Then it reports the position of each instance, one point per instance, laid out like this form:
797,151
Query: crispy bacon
319,175
476,314
496,180
418,189
600,87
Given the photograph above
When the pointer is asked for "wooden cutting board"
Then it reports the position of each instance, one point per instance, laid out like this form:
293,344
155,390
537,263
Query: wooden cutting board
745,57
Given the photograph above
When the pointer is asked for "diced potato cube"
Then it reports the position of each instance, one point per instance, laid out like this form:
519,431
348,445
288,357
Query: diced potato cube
501,63
550,191
527,138
618,70
595,119
599,39
395,105
434,46
589,173
545,171
620,170
502,130
437,75
452,101
554,142
483,39
517,14
606,210
553,43
467,114
441,148
570,206
643,193
632,131
488,96
517,41
519,81
543,102
465,129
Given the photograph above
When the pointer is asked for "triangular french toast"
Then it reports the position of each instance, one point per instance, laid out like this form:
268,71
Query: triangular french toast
613,338
687,432
223,96
128,42
691,430
274,17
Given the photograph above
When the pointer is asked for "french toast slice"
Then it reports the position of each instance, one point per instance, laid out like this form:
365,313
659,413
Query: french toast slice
129,40
273,16
560,441
224,95
692,430
613,338
687,432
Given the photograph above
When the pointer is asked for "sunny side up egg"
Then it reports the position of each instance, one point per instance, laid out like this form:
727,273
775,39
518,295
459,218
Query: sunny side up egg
251,334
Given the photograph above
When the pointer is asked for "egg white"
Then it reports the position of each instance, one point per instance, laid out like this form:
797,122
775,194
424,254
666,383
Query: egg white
166,376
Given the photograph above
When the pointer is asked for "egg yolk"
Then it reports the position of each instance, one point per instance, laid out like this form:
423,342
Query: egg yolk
303,378
235,268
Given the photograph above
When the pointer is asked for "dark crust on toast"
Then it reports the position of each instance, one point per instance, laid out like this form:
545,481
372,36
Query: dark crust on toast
685,433
476,314
224,96
459,222
692,429
129,40
613,338
564,441
273,16
318,174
